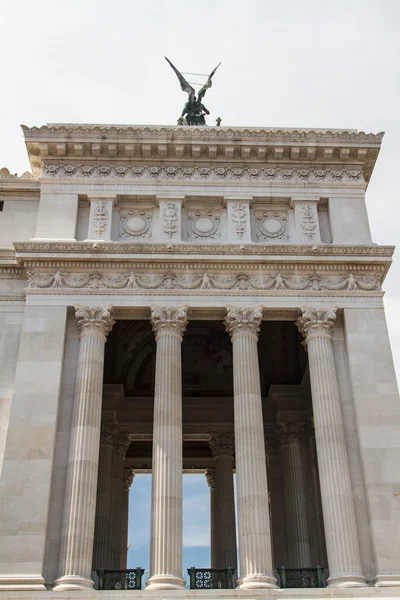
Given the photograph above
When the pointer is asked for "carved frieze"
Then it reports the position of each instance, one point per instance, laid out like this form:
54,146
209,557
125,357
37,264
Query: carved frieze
203,281
179,173
136,224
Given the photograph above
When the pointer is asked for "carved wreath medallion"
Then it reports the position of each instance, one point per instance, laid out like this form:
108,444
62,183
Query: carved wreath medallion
135,224
271,225
204,225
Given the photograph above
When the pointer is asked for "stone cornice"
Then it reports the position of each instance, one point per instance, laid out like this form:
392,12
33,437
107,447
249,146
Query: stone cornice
108,250
206,145
235,134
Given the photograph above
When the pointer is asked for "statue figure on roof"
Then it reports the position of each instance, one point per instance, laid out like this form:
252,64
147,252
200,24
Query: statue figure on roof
194,110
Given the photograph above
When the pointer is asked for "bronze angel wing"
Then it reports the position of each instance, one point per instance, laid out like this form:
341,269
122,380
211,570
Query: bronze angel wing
207,85
186,87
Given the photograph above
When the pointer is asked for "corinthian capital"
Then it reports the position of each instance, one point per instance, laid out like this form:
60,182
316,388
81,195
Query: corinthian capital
94,319
121,443
169,320
243,320
222,444
290,432
316,322
210,477
129,475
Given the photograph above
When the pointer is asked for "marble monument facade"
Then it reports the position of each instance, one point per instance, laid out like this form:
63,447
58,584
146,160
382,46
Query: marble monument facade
196,299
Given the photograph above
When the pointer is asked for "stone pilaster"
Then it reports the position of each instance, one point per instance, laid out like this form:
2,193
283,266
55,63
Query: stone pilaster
210,476
222,447
101,546
295,497
76,552
120,446
129,475
336,493
276,494
169,325
243,325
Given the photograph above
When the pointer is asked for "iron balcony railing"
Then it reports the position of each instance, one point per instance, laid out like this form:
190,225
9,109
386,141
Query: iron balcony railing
129,579
211,579
301,578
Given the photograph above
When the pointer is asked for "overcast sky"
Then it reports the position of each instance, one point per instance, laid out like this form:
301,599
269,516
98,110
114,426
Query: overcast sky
285,63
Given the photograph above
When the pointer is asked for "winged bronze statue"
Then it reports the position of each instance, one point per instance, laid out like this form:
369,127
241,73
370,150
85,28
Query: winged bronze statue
194,110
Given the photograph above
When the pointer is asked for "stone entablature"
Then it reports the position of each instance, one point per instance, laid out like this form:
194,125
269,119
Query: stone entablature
131,143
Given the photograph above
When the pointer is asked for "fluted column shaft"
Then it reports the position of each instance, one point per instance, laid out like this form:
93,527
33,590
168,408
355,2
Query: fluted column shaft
80,496
336,492
120,447
128,479
255,550
210,476
276,494
101,546
295,496
166,505
319,525
222,447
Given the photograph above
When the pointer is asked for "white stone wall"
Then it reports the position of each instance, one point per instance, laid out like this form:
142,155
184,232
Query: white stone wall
353,450
18,219
11,319
61,449
377,410
29,453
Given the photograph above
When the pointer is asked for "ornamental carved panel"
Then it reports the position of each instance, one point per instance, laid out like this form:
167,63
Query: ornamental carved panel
135,224
203,225
272,225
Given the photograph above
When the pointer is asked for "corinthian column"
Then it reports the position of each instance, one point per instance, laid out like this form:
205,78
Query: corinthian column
101,547
169,325
336,493
222,447
121,444
243,325
129,475
76,552
295,496
210,476
276,493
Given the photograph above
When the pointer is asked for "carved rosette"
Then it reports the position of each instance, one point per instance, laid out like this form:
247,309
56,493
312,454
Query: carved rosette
94,320
222,444
210,477
315,322
243,321
169,321
290,432
129,475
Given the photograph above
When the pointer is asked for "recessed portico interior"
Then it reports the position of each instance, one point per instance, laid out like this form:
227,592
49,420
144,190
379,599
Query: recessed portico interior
208,438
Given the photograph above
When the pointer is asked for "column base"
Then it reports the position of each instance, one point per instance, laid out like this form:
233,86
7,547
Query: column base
22,583
346,580
387,580
165,582
256,581
72,582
